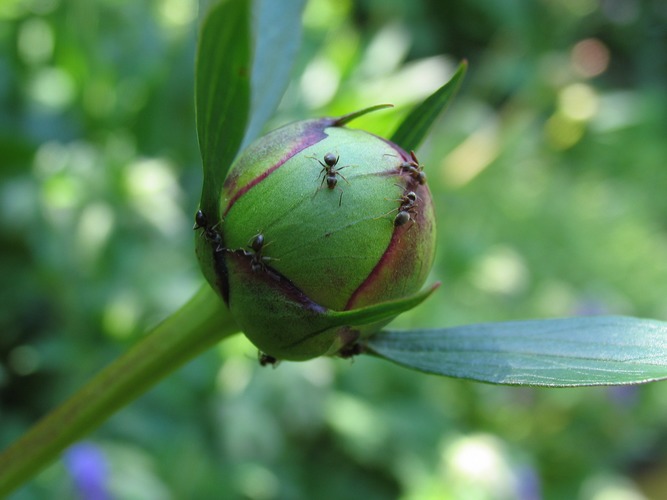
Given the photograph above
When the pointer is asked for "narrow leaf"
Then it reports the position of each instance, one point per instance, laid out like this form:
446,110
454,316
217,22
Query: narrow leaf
222,91
345,119
378,312
604,350
416,125
277,33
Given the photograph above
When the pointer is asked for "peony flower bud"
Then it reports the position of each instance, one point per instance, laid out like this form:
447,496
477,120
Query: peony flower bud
324,234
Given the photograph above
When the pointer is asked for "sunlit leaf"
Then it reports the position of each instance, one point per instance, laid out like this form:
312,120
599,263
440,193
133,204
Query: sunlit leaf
604,350
222,91
416,125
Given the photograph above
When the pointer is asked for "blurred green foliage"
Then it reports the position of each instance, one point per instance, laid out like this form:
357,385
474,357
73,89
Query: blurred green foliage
548,174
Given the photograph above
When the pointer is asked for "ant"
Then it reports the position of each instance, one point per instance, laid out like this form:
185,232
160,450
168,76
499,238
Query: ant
402,217
256,244
414,169
209,233
351,350
408,204
408,200
329,173
267,359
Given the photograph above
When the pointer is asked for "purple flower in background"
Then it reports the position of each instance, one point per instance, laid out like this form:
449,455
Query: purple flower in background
590,307
87,466
625,396
528,483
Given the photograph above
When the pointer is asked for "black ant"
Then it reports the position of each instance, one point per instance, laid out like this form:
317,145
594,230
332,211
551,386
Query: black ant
351,350
408,204
256,244
408,200
209,233
267,359
329,173
414,169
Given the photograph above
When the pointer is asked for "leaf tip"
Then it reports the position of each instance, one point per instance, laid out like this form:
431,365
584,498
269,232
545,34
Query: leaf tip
345,119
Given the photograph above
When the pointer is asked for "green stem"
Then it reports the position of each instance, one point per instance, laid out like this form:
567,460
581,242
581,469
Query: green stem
198,325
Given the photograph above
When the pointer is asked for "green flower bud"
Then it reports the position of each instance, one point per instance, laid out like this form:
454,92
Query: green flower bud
323,234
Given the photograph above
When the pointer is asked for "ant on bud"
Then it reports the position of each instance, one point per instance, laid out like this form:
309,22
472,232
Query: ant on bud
267,359
414,169
256,244
408,203
209,232
351,350
329,173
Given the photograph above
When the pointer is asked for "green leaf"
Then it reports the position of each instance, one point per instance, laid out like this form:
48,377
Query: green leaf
277,33
605,350
222,92
378,312
416,125
244,59
345,119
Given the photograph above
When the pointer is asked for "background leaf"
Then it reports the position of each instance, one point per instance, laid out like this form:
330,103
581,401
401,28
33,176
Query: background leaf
222,91
277,33
555,353
416,125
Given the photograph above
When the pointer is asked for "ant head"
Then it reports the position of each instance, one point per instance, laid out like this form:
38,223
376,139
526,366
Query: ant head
330,159
331,181
411,196
200,220
257,242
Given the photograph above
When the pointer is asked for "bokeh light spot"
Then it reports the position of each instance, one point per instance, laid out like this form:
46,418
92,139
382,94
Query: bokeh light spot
319,82
578,102
177,13
62,192
95,227
257,482
53,88
562,132
590,57
581,8
153,191
121,315
35,41
24,360
386,51
472,156
502,270
477,465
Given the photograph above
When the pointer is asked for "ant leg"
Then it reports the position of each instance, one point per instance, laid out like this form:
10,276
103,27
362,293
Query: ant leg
342,176
384,215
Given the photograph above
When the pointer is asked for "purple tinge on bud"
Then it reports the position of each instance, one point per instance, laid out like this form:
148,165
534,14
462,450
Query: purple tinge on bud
315,217
88,468
274,150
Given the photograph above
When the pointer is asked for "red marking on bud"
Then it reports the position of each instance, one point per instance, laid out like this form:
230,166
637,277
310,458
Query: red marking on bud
308,138
400,262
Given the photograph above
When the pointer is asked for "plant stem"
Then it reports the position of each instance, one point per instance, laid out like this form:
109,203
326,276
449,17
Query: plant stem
199,324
